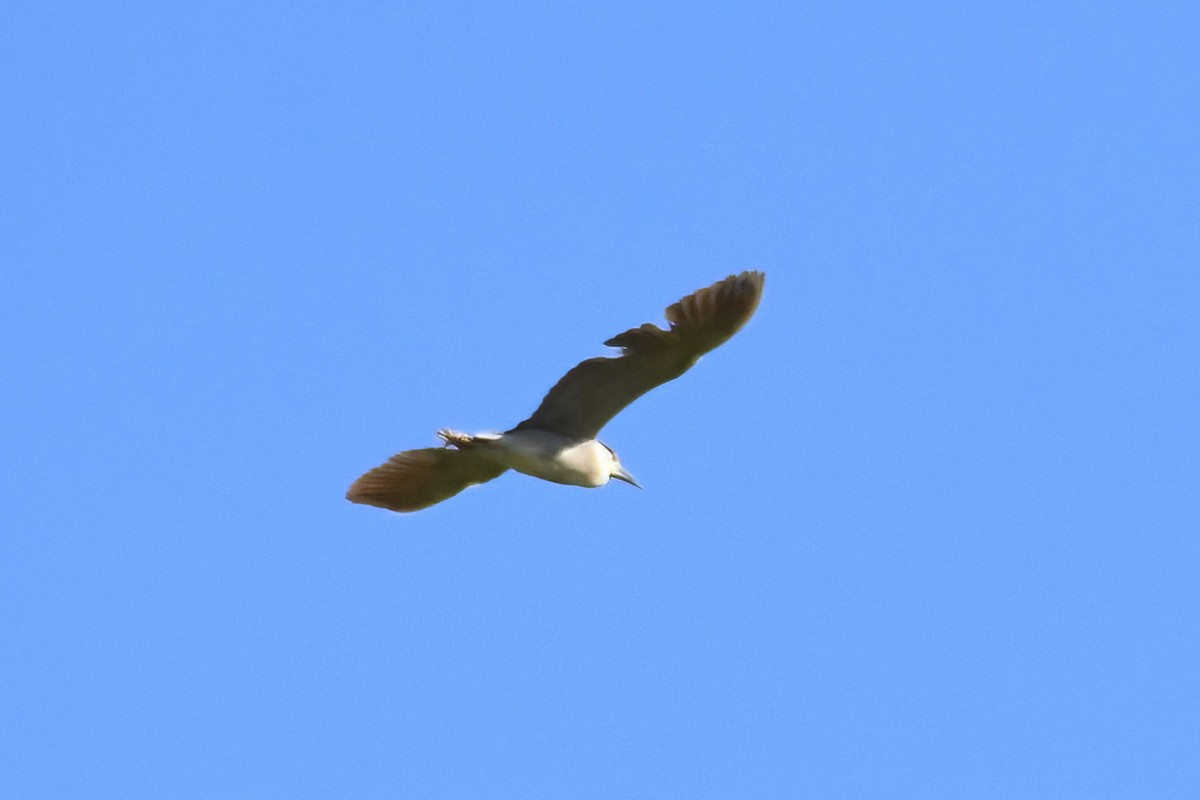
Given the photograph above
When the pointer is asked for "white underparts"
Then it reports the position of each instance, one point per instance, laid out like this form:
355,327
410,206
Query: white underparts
542,454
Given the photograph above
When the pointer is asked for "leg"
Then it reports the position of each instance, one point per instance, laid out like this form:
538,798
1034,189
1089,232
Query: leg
456,439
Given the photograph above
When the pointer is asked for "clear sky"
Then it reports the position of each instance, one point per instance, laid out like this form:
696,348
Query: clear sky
926,528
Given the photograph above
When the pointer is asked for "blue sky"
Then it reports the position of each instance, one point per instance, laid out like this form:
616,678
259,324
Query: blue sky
927,527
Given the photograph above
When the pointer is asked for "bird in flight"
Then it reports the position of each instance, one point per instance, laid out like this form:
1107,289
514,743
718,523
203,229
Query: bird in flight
558,443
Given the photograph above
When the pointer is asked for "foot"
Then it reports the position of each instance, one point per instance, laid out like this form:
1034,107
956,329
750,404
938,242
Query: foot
454,438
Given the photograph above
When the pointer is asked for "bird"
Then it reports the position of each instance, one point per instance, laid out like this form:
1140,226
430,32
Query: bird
558,441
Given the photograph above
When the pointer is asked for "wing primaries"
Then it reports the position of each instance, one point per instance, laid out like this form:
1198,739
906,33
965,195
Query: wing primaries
595,391
417,479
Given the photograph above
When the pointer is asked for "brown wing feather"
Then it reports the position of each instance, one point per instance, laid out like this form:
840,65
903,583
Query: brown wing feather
595,391
417,479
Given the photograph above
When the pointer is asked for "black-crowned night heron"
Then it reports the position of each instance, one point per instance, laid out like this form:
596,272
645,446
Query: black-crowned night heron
558,443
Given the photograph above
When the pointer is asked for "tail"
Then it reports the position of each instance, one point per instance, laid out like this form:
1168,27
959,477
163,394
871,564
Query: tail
417,479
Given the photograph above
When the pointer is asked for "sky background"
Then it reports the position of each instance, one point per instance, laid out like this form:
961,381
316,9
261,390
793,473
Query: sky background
927,527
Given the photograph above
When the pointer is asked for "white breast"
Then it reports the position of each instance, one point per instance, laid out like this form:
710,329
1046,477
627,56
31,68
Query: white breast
551,457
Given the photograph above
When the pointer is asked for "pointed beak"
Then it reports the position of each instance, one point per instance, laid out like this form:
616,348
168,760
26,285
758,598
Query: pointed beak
620,474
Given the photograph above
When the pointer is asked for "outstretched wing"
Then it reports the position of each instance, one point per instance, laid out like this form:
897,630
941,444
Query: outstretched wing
594,392
417,479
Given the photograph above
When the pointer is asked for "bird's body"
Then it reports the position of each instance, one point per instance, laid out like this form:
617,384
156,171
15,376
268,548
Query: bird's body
558,442
542,454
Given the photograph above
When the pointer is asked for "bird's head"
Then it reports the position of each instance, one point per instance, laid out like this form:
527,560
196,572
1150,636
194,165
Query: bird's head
615,470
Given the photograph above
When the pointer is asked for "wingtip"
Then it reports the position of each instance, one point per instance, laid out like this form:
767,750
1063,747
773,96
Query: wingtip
717,312
750,278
